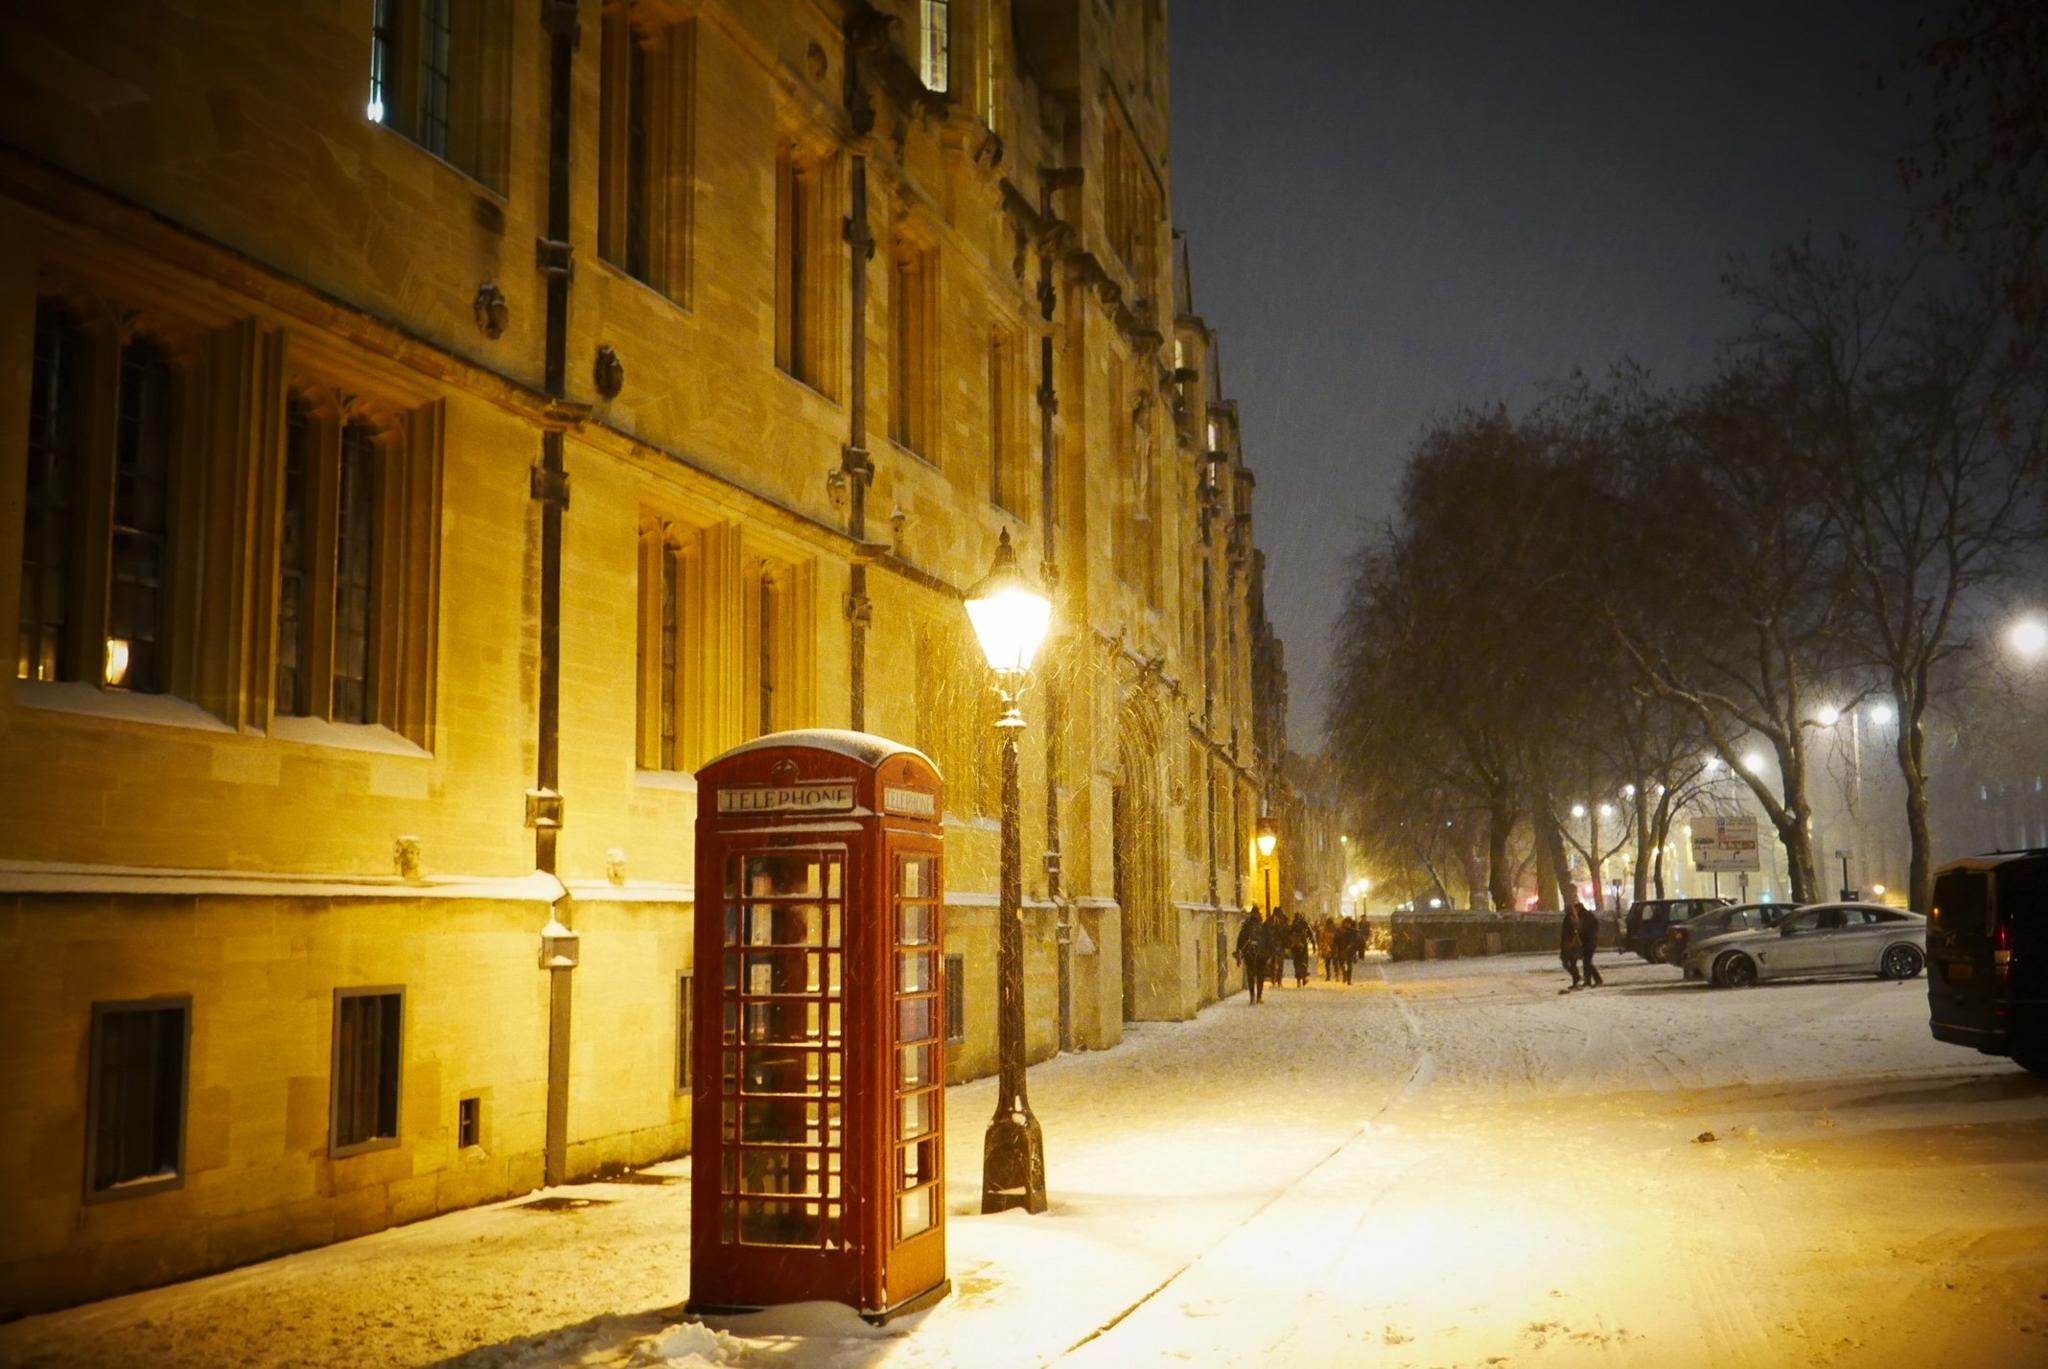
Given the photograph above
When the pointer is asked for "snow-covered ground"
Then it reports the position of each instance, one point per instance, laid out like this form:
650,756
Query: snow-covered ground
1447,1163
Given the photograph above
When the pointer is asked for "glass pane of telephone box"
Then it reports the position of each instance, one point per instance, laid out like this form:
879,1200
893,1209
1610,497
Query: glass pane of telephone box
917,924
918,1066
771,1223
916,1211
779,1070
795,1021
915,877
917,1113
916,972
786,1173
914,1019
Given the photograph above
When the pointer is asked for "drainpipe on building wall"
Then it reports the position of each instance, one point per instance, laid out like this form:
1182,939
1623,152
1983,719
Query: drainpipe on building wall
1055,699
867,32
551,491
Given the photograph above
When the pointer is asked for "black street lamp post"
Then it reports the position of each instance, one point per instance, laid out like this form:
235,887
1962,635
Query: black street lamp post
1010,616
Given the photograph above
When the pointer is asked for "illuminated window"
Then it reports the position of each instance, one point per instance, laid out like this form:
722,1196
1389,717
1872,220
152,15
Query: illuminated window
56,413
438,76
137,608
935,41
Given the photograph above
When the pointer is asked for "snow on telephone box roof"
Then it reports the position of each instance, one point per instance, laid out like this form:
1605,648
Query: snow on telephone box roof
868,748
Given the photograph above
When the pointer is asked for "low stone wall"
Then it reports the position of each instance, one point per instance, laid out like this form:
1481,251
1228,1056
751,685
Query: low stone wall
1450,936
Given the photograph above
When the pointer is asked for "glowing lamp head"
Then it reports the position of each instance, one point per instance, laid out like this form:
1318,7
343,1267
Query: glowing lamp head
1606,810
1877,890
1827,715
1009,613
1578,810
1267,839
2029,638
1880,713
1754,762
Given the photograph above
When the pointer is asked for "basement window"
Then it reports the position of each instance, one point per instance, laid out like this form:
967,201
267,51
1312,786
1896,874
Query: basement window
368,1055
135,1124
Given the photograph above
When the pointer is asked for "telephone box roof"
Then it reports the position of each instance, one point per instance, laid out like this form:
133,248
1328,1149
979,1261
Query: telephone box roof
867,748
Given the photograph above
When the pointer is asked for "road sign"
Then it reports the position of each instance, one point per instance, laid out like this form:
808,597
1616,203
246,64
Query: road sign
1725,844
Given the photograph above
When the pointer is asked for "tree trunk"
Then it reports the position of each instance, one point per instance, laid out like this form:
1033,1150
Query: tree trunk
1647,847
1500,828
1920,846
1550,847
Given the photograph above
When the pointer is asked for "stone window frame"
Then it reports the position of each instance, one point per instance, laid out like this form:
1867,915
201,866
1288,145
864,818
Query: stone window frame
1011,463
405,430
778,623
672,639
96,1088
472,133
647,54
809,260
106,332
390,1060
915,326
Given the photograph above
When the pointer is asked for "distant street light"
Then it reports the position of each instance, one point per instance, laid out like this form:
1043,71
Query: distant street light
2028,638
1754,762
1010,616
1578,810
1827,715
1267,840
1606,810
1880,713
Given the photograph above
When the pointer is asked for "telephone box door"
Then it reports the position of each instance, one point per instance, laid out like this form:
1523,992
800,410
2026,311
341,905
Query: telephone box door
916,1089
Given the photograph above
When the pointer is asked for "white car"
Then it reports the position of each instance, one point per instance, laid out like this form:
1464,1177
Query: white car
1819,939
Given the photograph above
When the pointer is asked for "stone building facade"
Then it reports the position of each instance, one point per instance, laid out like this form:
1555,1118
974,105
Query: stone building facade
429,430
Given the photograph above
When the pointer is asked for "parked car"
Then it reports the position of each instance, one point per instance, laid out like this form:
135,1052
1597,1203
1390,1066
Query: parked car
1987,956
1642,931
1819,939
1746,917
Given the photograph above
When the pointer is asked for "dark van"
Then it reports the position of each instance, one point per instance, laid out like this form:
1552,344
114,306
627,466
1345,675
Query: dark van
1987,956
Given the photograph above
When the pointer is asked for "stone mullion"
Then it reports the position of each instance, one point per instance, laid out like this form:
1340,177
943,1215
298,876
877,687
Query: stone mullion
92,535
415,528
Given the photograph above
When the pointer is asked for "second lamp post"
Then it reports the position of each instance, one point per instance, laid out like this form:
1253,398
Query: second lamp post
1010,617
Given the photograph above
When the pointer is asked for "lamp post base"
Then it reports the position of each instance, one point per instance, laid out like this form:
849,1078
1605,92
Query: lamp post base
1013,1163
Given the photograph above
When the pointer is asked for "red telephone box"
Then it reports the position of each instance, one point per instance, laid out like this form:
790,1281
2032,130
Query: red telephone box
820,1041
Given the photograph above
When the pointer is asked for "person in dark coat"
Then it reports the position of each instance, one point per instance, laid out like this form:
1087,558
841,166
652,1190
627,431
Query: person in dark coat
1589,938
1304,949
1254,952
1568,943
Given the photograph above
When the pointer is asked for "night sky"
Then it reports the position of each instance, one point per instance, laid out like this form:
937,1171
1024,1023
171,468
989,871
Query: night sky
1396,207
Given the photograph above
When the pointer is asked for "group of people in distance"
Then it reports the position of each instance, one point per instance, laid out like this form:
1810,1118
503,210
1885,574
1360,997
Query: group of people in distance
1265,945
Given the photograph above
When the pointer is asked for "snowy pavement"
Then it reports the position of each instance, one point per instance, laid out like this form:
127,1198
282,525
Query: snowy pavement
1448,1163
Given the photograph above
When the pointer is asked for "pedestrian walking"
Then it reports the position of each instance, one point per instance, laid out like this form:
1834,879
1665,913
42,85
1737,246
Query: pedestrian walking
1304,941
1589,939
1254,942
1568,944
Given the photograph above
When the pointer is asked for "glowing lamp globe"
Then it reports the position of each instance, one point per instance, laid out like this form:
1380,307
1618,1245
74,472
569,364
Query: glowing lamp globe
1266,840
1827,715
1009,613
